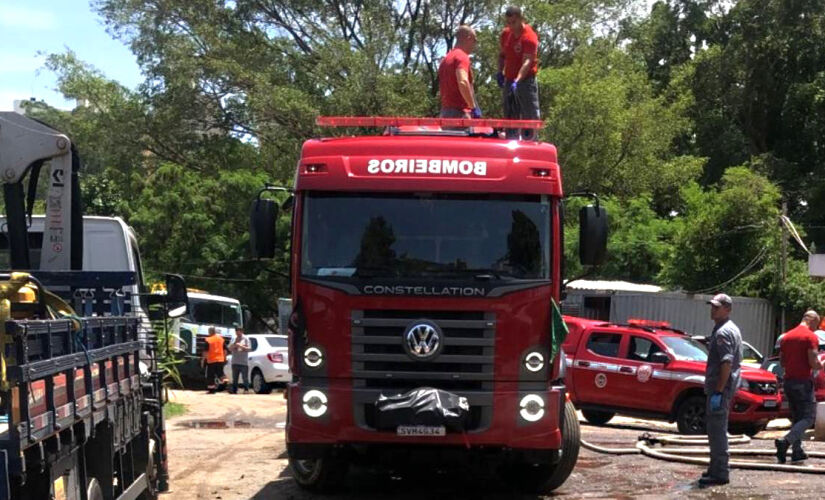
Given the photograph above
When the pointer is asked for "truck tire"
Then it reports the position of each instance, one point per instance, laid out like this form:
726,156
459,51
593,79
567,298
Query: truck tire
690,417
259,384
545,478
93,490
319,474
597,417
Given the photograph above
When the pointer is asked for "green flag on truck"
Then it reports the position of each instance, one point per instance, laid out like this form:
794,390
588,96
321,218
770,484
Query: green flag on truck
558,331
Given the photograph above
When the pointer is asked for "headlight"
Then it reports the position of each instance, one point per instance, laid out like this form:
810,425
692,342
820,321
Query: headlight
313,357
534,361
315,403
532,407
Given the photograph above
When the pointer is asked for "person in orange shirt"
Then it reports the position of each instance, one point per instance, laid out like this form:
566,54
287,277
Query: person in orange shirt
517,68
214,356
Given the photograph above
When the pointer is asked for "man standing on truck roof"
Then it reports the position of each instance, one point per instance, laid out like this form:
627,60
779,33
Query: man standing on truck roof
721,380
517,69
455,78
799,358
215,357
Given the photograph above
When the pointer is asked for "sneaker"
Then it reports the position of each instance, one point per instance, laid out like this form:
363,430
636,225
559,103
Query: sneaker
798,456
707,481
781,450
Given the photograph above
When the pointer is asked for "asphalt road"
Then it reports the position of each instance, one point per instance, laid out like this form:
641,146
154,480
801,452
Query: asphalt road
231,447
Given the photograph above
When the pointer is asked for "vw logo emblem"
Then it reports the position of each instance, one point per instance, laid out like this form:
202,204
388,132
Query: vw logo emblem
423,340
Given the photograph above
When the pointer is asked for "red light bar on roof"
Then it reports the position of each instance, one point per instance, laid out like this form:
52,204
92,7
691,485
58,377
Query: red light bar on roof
648,323
400,121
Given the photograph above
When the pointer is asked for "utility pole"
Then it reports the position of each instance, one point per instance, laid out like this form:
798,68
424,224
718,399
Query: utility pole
783,261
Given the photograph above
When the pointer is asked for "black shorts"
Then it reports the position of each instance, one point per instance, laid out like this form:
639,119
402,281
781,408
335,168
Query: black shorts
214,371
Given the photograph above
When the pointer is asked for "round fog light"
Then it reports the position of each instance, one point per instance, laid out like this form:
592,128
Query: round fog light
532,408
534,362
315,403
313,357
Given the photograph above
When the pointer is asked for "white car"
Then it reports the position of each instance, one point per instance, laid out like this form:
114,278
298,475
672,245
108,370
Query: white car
268,362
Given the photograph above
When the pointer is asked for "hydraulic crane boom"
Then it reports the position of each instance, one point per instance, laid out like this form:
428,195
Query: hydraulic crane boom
25,145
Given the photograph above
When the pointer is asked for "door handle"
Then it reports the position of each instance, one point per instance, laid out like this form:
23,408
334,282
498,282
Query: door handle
584,363
625,369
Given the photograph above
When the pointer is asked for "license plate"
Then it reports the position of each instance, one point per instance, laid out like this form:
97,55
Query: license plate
421,430
771,403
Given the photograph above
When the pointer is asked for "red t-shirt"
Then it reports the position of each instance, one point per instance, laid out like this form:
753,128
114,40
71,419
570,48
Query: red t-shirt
514,49
794,352
448,82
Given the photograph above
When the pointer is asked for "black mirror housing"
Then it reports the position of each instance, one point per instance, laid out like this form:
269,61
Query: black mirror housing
262,219
659,357
592,235
177,299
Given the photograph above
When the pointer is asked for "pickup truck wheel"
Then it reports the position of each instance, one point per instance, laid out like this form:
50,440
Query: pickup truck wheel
259,385
597,417
543,478
319,474
690,417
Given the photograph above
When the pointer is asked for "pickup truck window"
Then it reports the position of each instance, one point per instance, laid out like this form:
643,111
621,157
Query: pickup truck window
686,349
604,344
641,349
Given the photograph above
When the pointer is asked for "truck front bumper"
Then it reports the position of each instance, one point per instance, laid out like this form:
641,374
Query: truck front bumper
338,426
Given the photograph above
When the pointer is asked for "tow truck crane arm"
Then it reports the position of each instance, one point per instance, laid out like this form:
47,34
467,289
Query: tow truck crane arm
25,145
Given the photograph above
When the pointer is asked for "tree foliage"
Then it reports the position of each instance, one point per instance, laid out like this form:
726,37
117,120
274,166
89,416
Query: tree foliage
693,119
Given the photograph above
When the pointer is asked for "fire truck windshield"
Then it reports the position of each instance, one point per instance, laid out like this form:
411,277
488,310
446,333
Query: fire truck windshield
442,236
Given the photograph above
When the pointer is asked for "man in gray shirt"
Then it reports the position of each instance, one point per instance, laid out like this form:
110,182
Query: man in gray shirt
722,375
240,348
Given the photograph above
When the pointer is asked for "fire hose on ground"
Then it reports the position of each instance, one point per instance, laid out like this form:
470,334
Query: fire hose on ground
647,445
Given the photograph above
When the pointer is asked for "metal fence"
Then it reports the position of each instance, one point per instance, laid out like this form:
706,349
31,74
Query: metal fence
755,317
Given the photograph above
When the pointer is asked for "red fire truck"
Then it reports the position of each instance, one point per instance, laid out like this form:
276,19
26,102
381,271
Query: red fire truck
424,266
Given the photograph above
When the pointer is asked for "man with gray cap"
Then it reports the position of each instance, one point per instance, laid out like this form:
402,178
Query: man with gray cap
721,380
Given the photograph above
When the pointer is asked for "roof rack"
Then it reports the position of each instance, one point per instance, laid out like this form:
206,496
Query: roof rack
403,121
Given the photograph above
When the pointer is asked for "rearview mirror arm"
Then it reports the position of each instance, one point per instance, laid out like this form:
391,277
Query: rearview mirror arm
584,194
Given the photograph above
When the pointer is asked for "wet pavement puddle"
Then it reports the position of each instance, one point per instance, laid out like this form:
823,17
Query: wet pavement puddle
215,424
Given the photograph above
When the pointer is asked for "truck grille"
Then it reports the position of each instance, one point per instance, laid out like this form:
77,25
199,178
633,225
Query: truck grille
380,365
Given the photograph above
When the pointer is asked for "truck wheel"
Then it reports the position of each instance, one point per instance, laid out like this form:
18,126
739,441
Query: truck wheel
597,417
690,417
544,478
259,385
93,490
319,474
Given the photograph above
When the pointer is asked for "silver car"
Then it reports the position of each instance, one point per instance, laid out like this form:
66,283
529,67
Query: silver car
268,362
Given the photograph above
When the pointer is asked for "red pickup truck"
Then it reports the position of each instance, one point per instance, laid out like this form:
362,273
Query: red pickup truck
655,372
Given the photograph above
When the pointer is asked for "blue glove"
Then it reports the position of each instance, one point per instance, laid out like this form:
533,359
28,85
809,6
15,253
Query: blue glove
513,87
500,79
716,401
476,112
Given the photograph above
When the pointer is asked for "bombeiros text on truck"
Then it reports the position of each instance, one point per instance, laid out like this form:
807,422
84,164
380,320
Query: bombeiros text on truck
425,267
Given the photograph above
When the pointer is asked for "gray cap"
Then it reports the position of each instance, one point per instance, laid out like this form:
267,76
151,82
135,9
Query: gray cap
720,299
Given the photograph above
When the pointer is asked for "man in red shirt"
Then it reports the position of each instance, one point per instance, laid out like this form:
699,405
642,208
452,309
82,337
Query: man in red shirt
798,355
517,68
455,78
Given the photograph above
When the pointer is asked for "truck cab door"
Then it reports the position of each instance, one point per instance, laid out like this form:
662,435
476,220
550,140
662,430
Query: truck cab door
596,368
641,383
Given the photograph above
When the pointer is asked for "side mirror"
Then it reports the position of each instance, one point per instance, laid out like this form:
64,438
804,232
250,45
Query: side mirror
592,235
659,357
176,296
262,219
247,317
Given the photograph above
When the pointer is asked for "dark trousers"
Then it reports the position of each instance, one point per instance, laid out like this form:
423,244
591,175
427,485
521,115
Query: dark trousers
237,371
801,399
717,425
214,374
523,105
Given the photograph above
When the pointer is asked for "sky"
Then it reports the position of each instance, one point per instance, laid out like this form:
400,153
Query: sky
53,26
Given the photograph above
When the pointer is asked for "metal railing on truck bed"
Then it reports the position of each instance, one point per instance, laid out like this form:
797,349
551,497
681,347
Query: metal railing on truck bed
74,413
